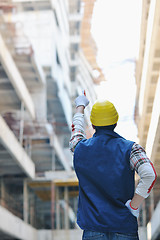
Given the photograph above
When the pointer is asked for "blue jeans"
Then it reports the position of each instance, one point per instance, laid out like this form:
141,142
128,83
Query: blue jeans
89,235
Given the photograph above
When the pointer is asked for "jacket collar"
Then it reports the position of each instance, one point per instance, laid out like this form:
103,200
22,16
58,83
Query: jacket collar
106,132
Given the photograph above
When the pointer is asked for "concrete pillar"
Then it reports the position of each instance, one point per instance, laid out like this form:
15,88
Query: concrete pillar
152,202
25,201
32,211
21,127
75,207
66,212
144,213
53,160
39,99
2,193
52,204
57,209
28,146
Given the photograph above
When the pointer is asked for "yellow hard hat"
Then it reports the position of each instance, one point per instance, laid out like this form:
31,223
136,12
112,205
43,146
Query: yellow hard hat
103,113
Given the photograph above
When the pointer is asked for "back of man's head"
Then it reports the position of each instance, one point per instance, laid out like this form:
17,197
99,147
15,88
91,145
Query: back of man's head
110,127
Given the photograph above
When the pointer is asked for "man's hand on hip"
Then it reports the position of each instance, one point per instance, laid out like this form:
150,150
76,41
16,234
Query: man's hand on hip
135,212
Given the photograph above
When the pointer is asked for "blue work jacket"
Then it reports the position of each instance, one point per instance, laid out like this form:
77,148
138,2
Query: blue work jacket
106,182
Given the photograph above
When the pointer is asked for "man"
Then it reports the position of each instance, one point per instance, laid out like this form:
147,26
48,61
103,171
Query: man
105,164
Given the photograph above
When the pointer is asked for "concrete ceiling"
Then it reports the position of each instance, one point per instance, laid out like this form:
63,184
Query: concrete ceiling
7,164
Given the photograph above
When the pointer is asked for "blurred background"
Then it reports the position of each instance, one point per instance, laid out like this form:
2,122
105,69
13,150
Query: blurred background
50,50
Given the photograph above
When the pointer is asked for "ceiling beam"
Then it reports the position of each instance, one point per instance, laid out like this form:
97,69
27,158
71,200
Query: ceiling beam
16,78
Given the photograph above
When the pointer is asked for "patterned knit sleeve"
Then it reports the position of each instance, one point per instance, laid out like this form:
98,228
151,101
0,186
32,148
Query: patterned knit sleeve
77,131
144,168
138,157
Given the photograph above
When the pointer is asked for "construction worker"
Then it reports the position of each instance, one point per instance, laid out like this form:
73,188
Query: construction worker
105,164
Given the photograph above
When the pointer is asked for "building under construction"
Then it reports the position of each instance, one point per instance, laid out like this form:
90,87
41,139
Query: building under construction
47,57
44,65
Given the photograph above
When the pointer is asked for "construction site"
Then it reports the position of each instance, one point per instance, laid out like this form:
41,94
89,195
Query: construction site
47,57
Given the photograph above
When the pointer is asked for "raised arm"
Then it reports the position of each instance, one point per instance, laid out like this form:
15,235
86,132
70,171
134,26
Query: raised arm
78,132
